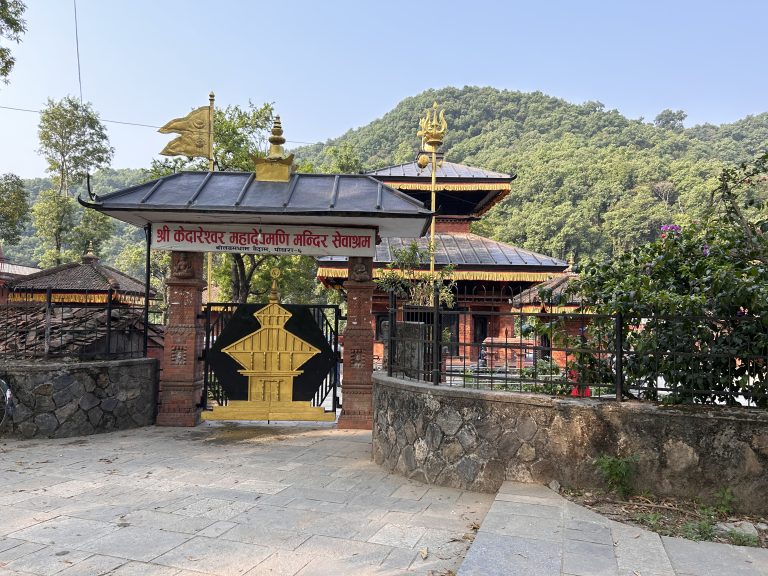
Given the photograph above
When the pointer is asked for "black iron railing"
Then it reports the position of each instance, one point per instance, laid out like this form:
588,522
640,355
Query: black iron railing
560,350
76,325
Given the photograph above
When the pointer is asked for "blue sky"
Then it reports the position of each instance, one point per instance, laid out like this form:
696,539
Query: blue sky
333,65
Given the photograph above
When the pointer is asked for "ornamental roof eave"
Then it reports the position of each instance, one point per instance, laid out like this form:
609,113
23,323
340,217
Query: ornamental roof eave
237,197
447,170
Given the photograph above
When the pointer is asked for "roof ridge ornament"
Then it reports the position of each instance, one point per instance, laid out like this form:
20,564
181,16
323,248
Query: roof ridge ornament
89,256
277,166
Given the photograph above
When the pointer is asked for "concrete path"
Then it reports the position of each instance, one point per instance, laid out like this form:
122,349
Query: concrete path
532,531
225,500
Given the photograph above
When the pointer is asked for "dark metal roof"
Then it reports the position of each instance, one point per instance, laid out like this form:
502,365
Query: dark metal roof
466,251
446,170
237,197
89,276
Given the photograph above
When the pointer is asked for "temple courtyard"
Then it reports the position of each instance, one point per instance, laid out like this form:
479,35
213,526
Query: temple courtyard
301,500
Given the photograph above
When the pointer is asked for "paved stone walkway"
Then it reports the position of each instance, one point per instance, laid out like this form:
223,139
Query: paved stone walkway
299,500
226,500
532,531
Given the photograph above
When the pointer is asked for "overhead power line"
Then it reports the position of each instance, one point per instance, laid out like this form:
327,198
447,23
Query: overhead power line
123,122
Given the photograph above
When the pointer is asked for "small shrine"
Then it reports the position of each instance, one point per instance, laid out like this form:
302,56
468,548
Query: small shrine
83,310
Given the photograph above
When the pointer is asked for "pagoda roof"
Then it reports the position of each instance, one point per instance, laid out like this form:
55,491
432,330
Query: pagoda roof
237,197
88,276
462,190
474,257
445,170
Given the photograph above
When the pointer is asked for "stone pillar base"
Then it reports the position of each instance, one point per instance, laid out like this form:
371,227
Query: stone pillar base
357,408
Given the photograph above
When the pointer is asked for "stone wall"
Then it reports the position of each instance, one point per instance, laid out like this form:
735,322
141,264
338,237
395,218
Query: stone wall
474,439
57,400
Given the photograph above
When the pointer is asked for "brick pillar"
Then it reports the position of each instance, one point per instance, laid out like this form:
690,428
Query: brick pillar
357,382
181,382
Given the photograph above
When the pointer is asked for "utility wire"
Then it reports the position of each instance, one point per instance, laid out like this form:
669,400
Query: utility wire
18,109
77,46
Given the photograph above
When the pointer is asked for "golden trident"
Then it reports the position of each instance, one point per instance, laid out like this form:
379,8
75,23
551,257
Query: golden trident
432,131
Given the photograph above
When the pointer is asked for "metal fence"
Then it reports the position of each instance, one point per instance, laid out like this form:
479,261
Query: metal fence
563,351
76,325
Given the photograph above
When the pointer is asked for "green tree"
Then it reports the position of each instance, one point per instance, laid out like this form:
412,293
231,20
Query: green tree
53,217
670,120
344,159
13,208
407,278
73,141
12,26
700,289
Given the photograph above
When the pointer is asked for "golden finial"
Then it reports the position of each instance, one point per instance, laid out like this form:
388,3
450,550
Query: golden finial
274,295
277,166
276,141
89,255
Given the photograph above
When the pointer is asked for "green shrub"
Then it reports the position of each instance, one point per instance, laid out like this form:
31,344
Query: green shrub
618,473
740,539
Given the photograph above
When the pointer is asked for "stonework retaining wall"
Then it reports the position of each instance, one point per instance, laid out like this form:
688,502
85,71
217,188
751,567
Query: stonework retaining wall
58,400
474,439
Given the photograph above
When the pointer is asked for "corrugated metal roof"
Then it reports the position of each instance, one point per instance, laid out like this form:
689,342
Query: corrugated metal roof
84,277
446,170
9,270
466,251
357,200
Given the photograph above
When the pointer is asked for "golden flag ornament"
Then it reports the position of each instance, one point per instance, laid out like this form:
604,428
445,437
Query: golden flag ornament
195,134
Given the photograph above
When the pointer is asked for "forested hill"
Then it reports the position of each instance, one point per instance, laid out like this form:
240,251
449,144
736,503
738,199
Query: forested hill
590,181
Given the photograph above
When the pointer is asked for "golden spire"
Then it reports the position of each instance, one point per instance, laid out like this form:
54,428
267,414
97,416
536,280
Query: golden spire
276,141
89,255
277,166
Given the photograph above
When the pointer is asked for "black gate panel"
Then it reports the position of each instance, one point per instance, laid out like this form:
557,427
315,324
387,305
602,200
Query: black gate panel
317,325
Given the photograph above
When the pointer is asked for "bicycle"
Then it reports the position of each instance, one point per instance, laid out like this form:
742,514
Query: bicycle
7,403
